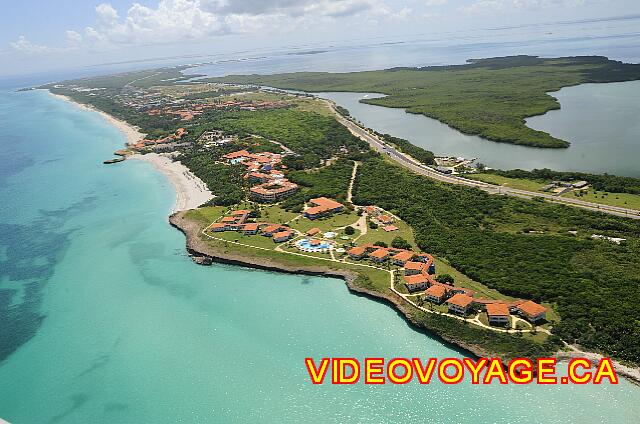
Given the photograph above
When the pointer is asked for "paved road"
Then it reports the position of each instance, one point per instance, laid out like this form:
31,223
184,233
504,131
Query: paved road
418,168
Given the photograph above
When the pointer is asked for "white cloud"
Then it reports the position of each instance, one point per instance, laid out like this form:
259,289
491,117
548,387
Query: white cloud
484,6
25,46
174,21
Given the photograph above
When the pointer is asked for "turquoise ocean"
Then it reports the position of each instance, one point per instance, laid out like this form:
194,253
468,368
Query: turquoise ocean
105,319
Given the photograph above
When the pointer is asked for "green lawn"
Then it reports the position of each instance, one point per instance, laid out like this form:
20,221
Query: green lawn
329,223
379,234
207,214
275,214
624,200
517,183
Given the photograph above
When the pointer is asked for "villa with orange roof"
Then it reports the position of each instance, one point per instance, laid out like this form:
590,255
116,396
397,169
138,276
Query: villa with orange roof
498,313
532,311
313,231
413,268
322,206
436,293
357,252
460,304
414,283
282,236
273,191
402,258
270,230
250,229
379,255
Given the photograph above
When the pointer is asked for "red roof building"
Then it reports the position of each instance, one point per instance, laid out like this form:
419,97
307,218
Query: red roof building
532,311
460,304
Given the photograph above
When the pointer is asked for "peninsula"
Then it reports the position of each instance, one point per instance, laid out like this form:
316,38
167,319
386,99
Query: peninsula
296,186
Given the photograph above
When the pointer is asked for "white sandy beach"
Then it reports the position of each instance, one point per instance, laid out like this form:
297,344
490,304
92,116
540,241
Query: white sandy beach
191,191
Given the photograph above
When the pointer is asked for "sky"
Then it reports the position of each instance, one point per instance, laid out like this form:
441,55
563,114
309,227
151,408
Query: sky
37,36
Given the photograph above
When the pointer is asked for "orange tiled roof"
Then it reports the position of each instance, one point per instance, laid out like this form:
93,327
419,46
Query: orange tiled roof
272,228
403,256
436,290
532,308
282,234
313,231
414,266
389,228
497,309
380,253
250,227
357,251
461,300
416,279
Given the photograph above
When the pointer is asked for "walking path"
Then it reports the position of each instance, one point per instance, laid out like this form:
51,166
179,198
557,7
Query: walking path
405,297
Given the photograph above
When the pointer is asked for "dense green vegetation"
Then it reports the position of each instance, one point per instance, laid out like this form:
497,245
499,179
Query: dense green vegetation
491,239
329,181
487,97
224,181
418,153
604,182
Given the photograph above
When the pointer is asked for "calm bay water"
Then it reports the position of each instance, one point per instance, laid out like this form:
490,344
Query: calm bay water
600,120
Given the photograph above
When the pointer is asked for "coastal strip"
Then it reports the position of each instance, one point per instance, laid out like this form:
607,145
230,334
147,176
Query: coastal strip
191,191
204,254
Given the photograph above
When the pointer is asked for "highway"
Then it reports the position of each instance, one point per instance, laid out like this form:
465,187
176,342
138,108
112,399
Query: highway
377,144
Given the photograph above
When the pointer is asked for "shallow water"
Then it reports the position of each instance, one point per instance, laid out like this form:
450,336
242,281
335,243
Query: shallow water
106,320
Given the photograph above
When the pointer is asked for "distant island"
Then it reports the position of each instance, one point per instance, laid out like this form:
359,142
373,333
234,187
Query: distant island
486,97
290,182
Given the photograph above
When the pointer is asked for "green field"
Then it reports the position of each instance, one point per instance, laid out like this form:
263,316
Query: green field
517,183
623,200
486,97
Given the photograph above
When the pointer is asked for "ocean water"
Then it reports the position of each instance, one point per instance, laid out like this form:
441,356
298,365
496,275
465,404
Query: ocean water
104,318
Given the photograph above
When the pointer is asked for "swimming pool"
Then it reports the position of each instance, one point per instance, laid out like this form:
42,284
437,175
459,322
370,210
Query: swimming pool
313,245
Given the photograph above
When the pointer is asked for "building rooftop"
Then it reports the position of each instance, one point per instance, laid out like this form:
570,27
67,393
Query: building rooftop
532,308
403,256
497,310
461,300
417,266
436,290
417,279
379,254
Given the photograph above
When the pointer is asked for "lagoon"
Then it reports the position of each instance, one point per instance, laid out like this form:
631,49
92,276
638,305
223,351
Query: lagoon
106,320
600,120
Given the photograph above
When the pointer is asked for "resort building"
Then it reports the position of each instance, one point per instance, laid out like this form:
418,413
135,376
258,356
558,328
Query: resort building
414,268
357,252
250,229
436,293
217,227
273,191
418,282
460,304
402,258
270,230
390,228
282,236
428,260
322,206
379,255
237,157
313,231
498,313
532,311
385,219
259,177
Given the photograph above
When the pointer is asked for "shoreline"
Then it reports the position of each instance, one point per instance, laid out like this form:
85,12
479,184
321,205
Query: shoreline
203,254
132,134
190,191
